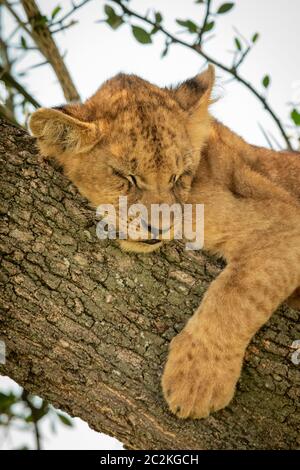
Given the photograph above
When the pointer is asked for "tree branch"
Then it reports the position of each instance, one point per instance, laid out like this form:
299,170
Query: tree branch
41,35
7,63
10,81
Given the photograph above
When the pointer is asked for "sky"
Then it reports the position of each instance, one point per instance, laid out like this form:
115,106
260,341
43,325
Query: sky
94,53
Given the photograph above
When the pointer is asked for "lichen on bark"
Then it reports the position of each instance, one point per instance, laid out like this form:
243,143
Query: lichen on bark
87,327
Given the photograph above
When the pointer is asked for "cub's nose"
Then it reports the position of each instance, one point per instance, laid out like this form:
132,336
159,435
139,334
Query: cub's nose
158,231
155,231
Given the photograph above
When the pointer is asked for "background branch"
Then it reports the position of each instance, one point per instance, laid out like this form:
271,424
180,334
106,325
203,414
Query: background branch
12,82
61,20
205,21
199,50
41,35
34,416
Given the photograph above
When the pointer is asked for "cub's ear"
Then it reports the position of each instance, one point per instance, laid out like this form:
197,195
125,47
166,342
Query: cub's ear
59,133
196,92
194,96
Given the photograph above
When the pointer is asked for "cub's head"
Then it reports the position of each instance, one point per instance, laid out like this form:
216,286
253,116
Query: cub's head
131,139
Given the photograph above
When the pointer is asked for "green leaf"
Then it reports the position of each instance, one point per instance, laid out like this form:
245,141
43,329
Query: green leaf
266,81
41,413
55,11
166,49
65,420
23,42
255,37
238,44
209,26
225,8
295,115
6,401
164,52
158,17
141,35
113,20
109,10
190,25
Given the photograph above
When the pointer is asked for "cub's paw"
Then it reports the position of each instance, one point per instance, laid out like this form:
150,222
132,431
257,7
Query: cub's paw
199,379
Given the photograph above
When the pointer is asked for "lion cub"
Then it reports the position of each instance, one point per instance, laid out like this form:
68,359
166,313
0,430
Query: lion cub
161,145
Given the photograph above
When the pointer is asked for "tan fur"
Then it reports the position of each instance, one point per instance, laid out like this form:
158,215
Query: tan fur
252,213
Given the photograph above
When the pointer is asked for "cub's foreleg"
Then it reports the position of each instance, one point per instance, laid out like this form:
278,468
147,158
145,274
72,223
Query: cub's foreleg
205,359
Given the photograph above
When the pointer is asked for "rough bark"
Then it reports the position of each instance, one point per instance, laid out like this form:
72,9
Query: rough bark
87,327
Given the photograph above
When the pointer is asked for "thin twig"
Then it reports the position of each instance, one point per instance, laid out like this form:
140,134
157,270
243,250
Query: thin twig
34,411
235,29
14,31
242,57
75,7
63,28
37,435
16,16
207,13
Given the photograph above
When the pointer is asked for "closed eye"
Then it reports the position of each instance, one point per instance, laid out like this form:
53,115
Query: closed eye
131,178
176,178
173,179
